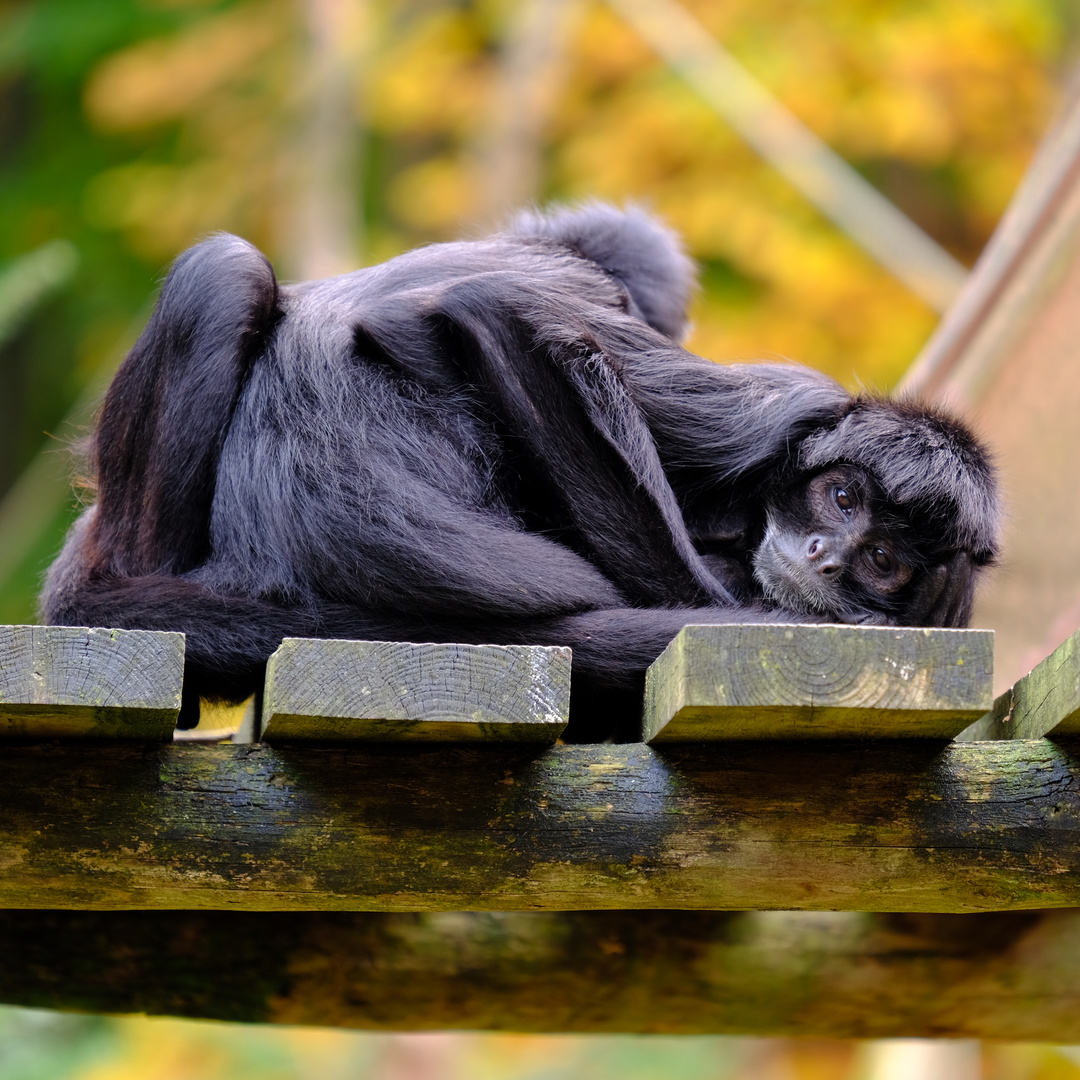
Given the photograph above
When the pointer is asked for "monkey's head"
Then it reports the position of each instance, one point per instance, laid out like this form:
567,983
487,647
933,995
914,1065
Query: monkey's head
888,519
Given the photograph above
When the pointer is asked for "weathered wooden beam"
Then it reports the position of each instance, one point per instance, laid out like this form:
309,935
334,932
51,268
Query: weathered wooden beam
97,683
1045,701
900,825
815,682
1003,976
388,691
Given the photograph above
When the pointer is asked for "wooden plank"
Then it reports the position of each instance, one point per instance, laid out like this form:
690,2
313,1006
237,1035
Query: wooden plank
899,825
991,722
74,681
1045,701
818,682
386,691
846,975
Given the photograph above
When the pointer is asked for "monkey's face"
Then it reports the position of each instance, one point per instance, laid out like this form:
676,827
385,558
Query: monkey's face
833,546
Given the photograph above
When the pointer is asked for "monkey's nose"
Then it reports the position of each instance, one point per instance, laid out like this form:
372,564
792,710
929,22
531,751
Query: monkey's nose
823,560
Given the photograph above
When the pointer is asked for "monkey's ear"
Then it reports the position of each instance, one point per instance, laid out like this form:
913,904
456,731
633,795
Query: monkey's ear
631,245
166,415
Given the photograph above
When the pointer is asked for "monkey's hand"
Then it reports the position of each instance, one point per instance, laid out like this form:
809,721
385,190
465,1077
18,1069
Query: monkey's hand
944,596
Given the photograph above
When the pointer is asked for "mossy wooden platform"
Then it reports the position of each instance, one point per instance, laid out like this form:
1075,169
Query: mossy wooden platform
630,866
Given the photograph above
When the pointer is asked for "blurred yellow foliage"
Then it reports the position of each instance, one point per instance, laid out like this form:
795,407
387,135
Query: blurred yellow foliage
429,77
159,80
430,194
940,103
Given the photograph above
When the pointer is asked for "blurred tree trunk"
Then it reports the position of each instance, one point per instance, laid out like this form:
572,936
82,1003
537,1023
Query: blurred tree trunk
508,147
322,227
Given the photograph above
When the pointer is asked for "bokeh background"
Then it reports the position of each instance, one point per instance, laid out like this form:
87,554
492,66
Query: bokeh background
337,133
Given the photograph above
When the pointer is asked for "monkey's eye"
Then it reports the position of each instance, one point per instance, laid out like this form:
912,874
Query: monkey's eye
882,559
845,501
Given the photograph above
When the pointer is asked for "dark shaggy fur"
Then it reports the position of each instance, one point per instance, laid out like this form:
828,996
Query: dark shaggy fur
496,441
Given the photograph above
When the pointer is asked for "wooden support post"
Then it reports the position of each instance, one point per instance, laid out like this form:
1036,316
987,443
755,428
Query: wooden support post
75,681
891,825
385,691
843,975
818,682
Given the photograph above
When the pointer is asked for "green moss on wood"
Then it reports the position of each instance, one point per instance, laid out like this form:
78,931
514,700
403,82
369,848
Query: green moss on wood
871,825
817,682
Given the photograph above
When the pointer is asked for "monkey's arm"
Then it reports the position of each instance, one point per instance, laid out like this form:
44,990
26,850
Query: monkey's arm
718,423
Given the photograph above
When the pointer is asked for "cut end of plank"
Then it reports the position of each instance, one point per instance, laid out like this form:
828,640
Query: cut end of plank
817,682
82,682
1046,701
382,691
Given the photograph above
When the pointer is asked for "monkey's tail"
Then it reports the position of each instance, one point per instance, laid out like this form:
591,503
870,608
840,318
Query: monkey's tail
229,638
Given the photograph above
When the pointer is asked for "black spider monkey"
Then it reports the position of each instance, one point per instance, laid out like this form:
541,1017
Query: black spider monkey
499,441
